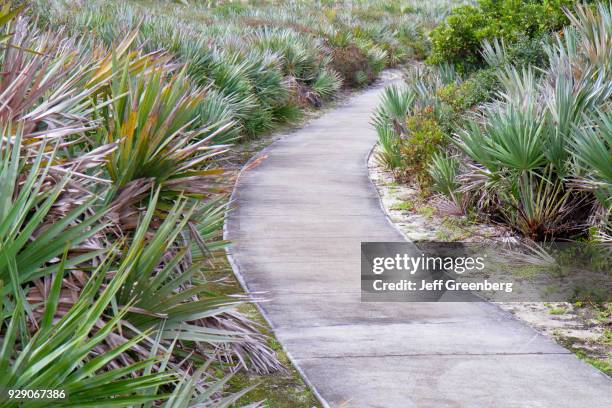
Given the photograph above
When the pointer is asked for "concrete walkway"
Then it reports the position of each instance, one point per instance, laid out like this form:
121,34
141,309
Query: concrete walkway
302,209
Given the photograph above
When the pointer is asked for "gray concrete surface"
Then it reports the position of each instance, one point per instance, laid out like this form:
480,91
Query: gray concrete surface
299,218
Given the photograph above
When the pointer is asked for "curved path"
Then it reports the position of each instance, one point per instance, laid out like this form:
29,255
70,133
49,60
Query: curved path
303,207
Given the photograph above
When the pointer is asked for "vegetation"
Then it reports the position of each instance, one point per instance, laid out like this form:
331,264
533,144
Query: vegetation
458,40
528,146
115,120
115,117
105,240
520,91
261,64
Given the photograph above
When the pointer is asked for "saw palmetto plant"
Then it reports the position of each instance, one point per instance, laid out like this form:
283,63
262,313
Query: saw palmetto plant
395,104
29,207
110,219
266,59
546,134
534,150
154,122
113,118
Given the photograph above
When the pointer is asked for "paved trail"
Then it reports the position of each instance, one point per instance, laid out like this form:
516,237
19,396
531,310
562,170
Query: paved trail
302,210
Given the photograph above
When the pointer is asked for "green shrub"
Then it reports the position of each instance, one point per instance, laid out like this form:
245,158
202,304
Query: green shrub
454,99
528,51
353,64
463,96
459,38
540,152
524,52
425,137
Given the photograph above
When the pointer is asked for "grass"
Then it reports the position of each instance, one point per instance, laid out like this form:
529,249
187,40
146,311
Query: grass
606,337
603,315
602,364
526,271
284,388
426,211
584,351
404,206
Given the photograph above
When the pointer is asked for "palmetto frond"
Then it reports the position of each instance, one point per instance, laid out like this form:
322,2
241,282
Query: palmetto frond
153,121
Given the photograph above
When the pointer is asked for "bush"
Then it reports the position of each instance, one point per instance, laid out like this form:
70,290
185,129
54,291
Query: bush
353,64
458,39
533,129
425,137
451,99
528,51
408,136
476,89
541,152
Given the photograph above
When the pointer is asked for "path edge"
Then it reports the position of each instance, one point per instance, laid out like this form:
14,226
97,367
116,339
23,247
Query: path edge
229,208
381,204
240,277
236,268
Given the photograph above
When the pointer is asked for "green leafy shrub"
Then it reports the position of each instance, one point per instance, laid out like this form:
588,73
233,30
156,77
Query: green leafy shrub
425,137
521,53
478,88
528,51
540,152
448,97
457,40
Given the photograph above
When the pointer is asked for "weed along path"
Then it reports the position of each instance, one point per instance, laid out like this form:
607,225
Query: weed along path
302,208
